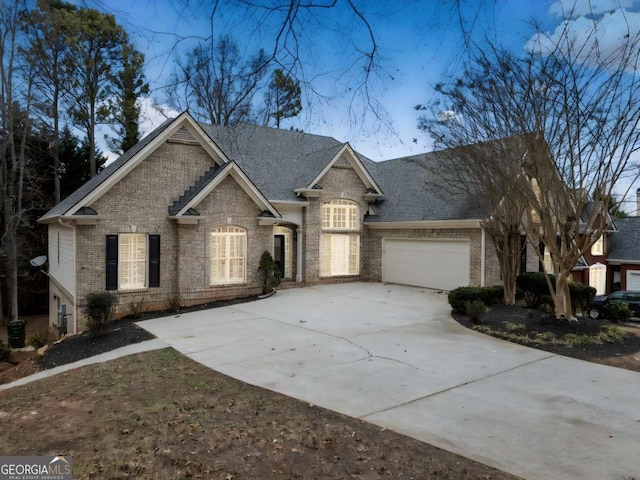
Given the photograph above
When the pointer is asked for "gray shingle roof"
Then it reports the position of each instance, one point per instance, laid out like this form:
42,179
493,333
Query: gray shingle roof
276,161
281,161
625,242
414,191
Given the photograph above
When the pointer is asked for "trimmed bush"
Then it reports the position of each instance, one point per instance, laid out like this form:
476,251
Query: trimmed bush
475,310
494,295
581,296
617,312
99,309
533,286
270,271
460,296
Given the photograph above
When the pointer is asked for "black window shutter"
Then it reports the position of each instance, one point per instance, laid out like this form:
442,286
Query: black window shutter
112,262
154,260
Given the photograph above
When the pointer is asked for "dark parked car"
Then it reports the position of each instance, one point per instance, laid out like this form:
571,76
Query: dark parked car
631,298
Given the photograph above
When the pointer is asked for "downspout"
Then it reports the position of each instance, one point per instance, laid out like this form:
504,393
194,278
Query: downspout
482,257
75,274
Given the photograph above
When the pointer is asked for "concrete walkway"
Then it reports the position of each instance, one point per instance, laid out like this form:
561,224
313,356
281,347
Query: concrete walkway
146,346
391,355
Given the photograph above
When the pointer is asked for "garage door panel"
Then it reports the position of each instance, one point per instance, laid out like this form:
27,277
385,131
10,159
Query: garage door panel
426,263
633,279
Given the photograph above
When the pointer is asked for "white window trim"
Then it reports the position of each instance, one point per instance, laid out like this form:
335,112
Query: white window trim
227,233
124,263
277,230
331,212
340,239
332,265
598,278
597,249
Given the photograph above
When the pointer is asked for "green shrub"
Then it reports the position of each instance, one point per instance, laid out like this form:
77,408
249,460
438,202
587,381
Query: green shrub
494,295
5,352
99,309
617,312
581,296
475,310
533,285
270,271
458,297
546,303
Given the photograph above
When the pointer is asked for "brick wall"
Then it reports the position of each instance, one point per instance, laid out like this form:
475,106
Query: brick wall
140,202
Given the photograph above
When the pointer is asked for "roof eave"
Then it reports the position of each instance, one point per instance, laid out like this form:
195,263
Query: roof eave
453,224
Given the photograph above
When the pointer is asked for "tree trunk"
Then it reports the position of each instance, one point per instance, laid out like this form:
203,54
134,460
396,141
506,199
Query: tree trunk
12,273
562,296
56,146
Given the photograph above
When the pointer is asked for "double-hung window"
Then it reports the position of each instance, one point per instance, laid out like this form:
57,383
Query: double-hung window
228,255
133,261
340,239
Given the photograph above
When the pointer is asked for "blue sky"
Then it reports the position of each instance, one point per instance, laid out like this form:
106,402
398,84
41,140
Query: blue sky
419,41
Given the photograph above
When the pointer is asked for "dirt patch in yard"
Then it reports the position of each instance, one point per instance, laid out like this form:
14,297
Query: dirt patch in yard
160,415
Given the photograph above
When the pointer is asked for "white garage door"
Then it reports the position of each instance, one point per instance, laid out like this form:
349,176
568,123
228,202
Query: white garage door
441,264
633,279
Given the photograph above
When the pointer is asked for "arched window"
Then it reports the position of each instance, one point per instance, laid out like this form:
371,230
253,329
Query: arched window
340,239
228,255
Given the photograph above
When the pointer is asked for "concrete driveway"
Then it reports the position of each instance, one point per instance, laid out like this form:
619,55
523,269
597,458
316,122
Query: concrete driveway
392,355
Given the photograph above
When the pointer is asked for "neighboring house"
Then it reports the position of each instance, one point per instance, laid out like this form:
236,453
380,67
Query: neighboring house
613,262
187,212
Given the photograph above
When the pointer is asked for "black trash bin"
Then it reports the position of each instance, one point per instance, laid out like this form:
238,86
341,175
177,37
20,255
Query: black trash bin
16,333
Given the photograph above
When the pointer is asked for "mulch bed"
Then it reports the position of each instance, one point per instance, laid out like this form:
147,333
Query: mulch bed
122,333
627,351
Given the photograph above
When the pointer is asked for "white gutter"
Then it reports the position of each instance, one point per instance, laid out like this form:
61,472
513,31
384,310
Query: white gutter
426,224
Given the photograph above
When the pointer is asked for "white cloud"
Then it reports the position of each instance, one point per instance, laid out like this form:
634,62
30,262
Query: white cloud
578,8
606,31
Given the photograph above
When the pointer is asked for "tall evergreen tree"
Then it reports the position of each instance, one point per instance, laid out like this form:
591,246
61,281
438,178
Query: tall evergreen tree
95,42
128,86
282,100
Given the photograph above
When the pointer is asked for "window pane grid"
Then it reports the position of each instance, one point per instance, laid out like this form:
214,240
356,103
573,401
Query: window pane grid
228,253
340,215
132,261
339,255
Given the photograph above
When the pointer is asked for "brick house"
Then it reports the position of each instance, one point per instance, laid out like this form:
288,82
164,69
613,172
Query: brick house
613,262
187,212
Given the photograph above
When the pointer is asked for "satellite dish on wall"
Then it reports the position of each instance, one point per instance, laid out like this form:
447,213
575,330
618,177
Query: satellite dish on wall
38,261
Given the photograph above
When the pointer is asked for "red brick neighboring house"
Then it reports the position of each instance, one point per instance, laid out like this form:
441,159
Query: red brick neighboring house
613,263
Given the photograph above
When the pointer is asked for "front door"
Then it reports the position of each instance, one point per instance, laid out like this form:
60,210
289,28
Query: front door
279,254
